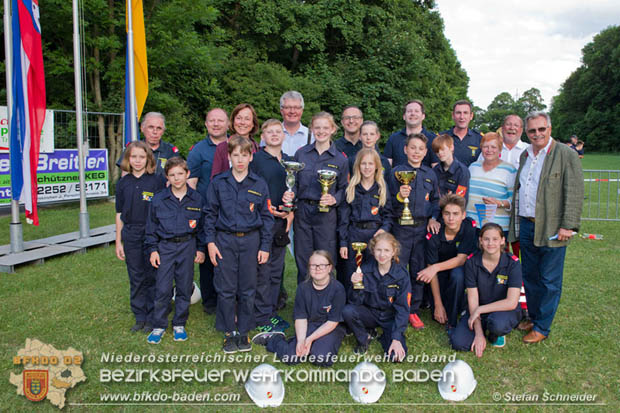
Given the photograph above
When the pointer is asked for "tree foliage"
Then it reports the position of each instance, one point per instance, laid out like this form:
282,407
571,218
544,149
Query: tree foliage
589,101
505,104
208,53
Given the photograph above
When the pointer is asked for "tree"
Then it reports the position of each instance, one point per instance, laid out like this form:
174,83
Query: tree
206,53
504,104
588,102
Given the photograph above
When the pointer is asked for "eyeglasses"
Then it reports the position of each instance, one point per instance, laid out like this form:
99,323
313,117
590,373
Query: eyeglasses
346,118
319,267
542,129
289,108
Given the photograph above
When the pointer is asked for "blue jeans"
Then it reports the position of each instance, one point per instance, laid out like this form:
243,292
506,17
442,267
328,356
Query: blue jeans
543,269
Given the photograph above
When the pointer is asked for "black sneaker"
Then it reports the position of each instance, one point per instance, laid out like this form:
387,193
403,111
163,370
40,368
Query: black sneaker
363,348
263,337
244,343
147,328
230,343
137,327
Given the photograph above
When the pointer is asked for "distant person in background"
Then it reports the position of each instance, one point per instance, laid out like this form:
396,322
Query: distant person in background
579,149
466,141
573,142
200,164
349,144
296,134
413,115
244,122
491,182
153,126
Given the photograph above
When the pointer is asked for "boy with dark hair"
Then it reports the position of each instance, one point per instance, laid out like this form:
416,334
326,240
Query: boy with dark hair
422,196
446,253
175,241
238,228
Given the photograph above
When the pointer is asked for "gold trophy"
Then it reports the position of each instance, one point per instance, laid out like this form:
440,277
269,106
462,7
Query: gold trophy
405,177
358,247
291,168
326,179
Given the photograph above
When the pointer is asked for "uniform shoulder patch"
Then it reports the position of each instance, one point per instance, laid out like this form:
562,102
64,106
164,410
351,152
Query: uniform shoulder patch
473,223
515,258
175,149
429,235
191,147
470,255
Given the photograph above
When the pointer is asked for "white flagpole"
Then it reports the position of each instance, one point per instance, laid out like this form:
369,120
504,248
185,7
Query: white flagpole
132,72
77,67
17,239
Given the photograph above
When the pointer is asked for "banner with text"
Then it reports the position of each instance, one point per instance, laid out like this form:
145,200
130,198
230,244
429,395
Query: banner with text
47,133
58,175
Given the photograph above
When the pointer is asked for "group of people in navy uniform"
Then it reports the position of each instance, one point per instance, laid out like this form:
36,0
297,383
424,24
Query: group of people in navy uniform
232,223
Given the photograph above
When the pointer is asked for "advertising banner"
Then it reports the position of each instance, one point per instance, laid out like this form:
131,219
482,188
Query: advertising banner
47,133
58,176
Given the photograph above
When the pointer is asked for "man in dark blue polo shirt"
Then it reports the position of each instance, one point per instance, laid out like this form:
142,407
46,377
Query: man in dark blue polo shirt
153,127
351,119
413,115
199,162
466,141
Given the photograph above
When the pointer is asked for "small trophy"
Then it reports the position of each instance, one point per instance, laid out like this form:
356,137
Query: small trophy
358,247
326,179
405,177
291,168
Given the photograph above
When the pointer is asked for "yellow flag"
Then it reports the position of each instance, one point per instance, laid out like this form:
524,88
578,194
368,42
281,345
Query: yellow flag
141,73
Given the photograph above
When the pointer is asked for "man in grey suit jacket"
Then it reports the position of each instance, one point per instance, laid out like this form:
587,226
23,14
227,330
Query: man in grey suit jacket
547,204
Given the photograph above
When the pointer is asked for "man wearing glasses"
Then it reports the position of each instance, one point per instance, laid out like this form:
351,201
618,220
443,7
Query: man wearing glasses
296,135
547,204
153,127
351,119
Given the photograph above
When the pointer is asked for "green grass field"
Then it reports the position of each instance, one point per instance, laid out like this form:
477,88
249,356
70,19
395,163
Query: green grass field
82,301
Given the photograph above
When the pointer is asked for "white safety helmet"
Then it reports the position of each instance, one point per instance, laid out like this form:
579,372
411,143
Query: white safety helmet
265,386
196,296
367,383
457,381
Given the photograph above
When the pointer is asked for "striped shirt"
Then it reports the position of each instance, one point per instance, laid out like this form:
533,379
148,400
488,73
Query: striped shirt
497,183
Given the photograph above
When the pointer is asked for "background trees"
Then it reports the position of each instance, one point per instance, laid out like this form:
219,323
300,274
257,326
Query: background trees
208,53
504,104
589,102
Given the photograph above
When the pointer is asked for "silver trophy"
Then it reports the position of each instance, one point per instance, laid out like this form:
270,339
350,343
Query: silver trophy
291,167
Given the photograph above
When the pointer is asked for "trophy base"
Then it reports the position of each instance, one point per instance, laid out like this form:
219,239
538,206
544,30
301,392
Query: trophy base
406,221
358,286
323,208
